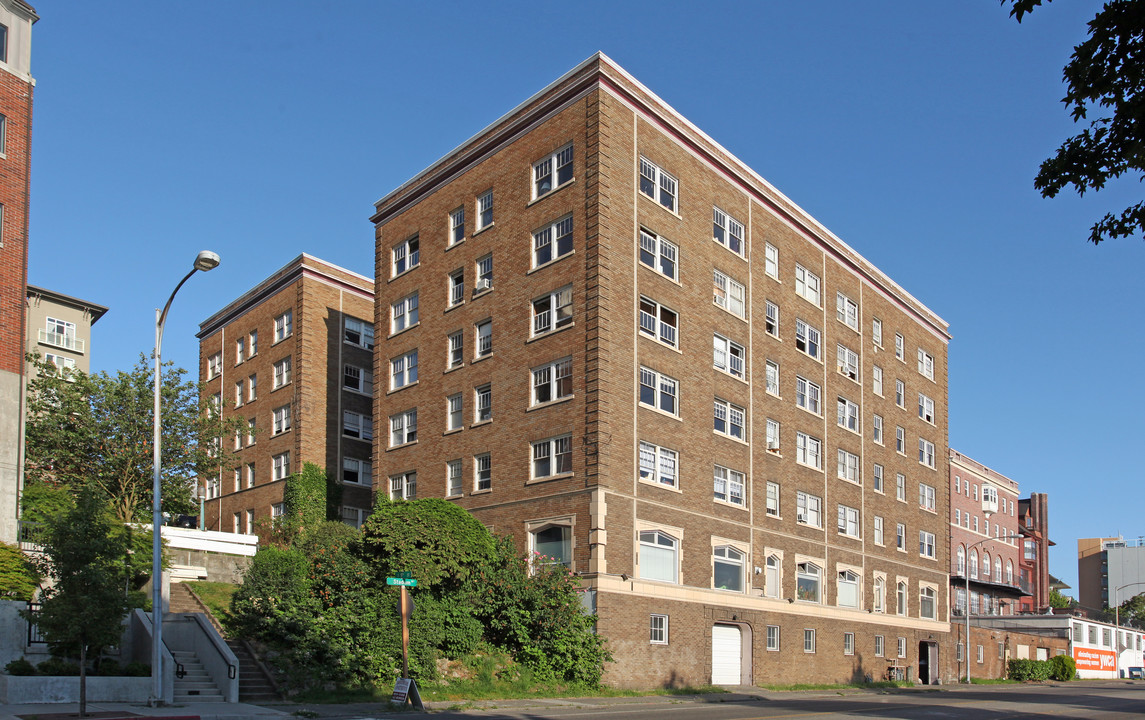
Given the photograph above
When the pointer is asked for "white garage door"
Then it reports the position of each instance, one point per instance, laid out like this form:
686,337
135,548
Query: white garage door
725,655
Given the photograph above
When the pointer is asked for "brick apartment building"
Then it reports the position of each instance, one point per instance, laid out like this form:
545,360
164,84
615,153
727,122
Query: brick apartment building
293,357
644,362
16,88
1034,563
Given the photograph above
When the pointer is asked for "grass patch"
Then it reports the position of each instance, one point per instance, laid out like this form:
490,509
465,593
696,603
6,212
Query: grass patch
993,681
215,595
797,687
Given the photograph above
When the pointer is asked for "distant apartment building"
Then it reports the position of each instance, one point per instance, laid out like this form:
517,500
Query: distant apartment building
59,329
16,89
293,359
1034,562
645,363
1109,571
983,521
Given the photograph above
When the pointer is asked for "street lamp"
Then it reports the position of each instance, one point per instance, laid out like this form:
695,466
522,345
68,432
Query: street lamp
206,260
966,655
1117,621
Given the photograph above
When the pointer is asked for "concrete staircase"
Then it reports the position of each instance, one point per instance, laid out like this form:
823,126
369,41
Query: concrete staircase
195,685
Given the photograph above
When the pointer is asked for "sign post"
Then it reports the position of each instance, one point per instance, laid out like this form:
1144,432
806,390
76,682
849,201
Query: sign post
405,688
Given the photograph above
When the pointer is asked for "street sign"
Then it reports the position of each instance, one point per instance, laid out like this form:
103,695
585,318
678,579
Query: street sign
402,582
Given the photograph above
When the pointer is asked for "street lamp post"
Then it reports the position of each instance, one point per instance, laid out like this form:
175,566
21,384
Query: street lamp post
1117,622
966,654
206,260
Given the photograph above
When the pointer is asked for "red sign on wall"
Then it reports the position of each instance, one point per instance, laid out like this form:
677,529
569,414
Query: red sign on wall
1094,659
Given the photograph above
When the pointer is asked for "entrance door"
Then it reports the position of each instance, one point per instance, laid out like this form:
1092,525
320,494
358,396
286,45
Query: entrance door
727,647
927,662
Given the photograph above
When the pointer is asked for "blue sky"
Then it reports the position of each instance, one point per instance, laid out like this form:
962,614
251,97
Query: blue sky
912,130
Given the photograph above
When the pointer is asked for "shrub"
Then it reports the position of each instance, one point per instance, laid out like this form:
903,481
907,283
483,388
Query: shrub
137,669
20,667
108,668
58,666
274,599
1063,668
1024,670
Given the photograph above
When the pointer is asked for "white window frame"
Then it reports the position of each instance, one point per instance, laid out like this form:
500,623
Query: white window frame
284,326
848,467
900,439
659,322
482,472
773,435
772,502
358,333
456,227
771,319
729,419
557,167
552,311
653,541
456,289
926,547
773,576
809,640
282,372
808,451
281,417
359,425
728,356
729,294
847,414
807,285
404,314
809,572
809,509
403,486
902,647
808,395
214,365
879,532
662,387
658,185
847,521
900,345
847,311
403,372
900,487
483,339
453,480
556,452
877,380
926,453
771,260
455,350
926,497
808,340
403,428
848,643
773,638
877,331
483,403
658,254
658,465
454,412
900,536
484,204
362,469
926,408
553,241
772,377
553,380
877,477
405,256
728,231
925,364
730,556
280,466
728,485
658,629
848,361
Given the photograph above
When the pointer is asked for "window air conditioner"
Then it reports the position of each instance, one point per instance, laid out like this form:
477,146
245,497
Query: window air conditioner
484,284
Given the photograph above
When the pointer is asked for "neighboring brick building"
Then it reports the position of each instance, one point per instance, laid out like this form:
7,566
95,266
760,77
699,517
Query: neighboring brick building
1034,563
632,350
292,357
16,86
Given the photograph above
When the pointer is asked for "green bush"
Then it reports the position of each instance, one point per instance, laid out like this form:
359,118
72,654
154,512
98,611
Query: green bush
58,666
137,669
20,667
1063,668
107,667
18,579
274,600
1025,670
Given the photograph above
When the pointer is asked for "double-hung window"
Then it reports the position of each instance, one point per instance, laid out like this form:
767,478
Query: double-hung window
806,338
900,536
808,451
773,435
877,477
877,331
900,487
483,403
360,333
658,465
659,556
280,467
900,346
926,364
214,365
926,544
281,372
728,356
281,419
553,241
658,391
403,371
846,311
456,287
808,509
552,457
482,472
900,439
727,568
484,339
453,478
878,530
456,226
483,273
807,284
284,326
848,466
658,322
877,429
658,254
729,419
926,452
847,415
848,362
926,408
926,497
773,499
847,595
553,171
728,485
771,260
877,380
484,209
253,337
848,521
454,418
552,381
772,581
926,599
406,255
456,350
403,486
240,350
552,311
772,377
771,319
403,428
727,231
807,394
356,471
728,294
657,184
404,313
900,607
658,630
361,426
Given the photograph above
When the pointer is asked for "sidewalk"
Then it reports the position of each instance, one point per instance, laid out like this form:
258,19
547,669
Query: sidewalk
203,711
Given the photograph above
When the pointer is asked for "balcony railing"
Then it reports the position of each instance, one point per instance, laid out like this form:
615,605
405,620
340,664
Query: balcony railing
31,535
60,340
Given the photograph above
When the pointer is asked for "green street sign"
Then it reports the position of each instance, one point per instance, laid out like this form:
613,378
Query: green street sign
406,582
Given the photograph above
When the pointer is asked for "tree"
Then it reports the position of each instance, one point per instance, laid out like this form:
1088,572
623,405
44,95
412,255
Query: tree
18,579
98,429
1104,75
82,612
1132,611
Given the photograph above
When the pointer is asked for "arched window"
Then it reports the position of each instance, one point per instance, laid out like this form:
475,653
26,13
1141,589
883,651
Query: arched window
880,594
926,605
1010,572
848,591
974,563
998,568
961,560
727,568
771,583
901,598
985,565
658,556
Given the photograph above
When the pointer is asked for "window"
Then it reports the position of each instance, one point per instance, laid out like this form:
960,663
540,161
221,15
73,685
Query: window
900,487
553,241
807,577
926,408
482,472
238,393
727,231
3,43
453,478
484,339
926,497
727,568
877,477
808,640
281,419
877,331
728,485
658,322
552,382
771,260
771,582
979,647
403,371
878,646
454,419
552,457
848,643
848,521
356,471
773,499
772,374
926,364
728,356
553,171
405,255
773,637
281,372
926,544
848,362
880,595
846,311
900,439
806,338
483,403
658,633
280,467
403,486
658,254
64,365
847,415
214,365
809,509
238,439
771,319
403,427
728,294
250,474
354,517
926,452
658,391
985,562
456,288
254,343
658,464
808,451
878,530
848,466
729,419
484,210
61,333
552,311
877,380
3,120
404,314
657,184
240,350
456,226
361,426
899,345
900,600
877,429
284,326
902,647
456,352
773,435
961,561
900,537
806,394
658,556
807,284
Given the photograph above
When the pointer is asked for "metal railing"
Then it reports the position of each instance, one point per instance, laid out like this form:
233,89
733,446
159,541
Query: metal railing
31,535
61,340
35,637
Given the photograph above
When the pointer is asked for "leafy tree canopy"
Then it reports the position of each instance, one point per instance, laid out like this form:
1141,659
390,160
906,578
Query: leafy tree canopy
1105,77
18,579
1057,600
